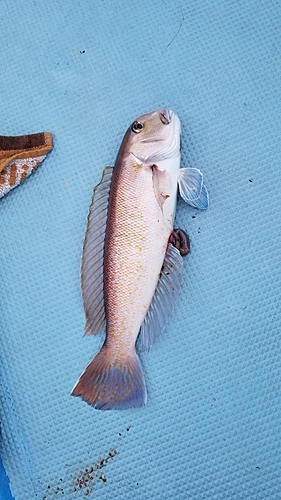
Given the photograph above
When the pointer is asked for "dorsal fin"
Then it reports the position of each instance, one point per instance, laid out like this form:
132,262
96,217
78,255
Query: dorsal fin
92,260
164,298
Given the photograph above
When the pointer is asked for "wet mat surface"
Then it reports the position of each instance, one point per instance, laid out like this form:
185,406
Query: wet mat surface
84,71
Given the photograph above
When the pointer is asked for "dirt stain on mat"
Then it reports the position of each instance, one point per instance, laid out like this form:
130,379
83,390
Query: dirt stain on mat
82,483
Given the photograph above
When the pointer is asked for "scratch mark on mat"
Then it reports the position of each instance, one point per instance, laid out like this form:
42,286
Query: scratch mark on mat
176,34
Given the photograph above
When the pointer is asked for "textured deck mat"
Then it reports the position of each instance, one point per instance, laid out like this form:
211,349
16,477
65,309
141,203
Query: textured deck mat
84,70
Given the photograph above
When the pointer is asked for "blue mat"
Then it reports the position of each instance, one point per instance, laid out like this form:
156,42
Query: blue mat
84,70
5,493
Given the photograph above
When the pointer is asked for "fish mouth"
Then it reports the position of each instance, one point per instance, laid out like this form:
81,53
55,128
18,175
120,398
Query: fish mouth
146,141
166,116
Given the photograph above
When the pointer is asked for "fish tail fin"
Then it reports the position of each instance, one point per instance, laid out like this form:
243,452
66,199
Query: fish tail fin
112,383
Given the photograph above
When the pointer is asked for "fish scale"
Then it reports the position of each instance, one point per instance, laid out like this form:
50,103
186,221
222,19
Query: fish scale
133,252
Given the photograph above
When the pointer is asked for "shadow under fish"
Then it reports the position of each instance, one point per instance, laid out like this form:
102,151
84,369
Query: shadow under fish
133,258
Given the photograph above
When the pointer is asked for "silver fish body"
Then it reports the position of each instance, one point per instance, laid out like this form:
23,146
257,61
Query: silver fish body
131,273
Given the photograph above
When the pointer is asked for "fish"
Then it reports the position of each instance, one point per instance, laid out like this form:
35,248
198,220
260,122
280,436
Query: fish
132,261
20,156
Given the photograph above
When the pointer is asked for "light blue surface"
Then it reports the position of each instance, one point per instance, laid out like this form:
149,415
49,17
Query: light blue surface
84,70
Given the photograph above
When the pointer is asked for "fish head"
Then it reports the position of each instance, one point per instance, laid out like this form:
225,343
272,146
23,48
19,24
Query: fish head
153,137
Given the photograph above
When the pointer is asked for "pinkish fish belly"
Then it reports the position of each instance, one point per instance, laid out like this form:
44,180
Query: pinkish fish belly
136,242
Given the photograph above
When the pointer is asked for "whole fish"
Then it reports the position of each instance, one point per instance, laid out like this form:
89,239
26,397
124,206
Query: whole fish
132,257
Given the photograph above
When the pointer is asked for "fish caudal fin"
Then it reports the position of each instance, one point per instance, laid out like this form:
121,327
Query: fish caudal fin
112,384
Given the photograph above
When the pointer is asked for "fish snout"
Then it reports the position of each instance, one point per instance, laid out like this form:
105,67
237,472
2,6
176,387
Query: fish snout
166,116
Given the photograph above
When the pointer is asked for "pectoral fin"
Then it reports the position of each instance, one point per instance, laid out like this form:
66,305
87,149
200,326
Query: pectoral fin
192,189
190,183
161,185
164,298
93,253
202,202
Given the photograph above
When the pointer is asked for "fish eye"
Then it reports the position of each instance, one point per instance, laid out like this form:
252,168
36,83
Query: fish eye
137,127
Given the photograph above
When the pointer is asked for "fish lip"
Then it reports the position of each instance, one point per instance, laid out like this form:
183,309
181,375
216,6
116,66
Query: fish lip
146,141
166,116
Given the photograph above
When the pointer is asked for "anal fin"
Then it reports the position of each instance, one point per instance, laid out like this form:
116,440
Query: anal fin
164,298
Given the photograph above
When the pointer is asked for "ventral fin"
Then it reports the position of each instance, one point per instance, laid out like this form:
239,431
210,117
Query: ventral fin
161,185
92,259
164,298
190,182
